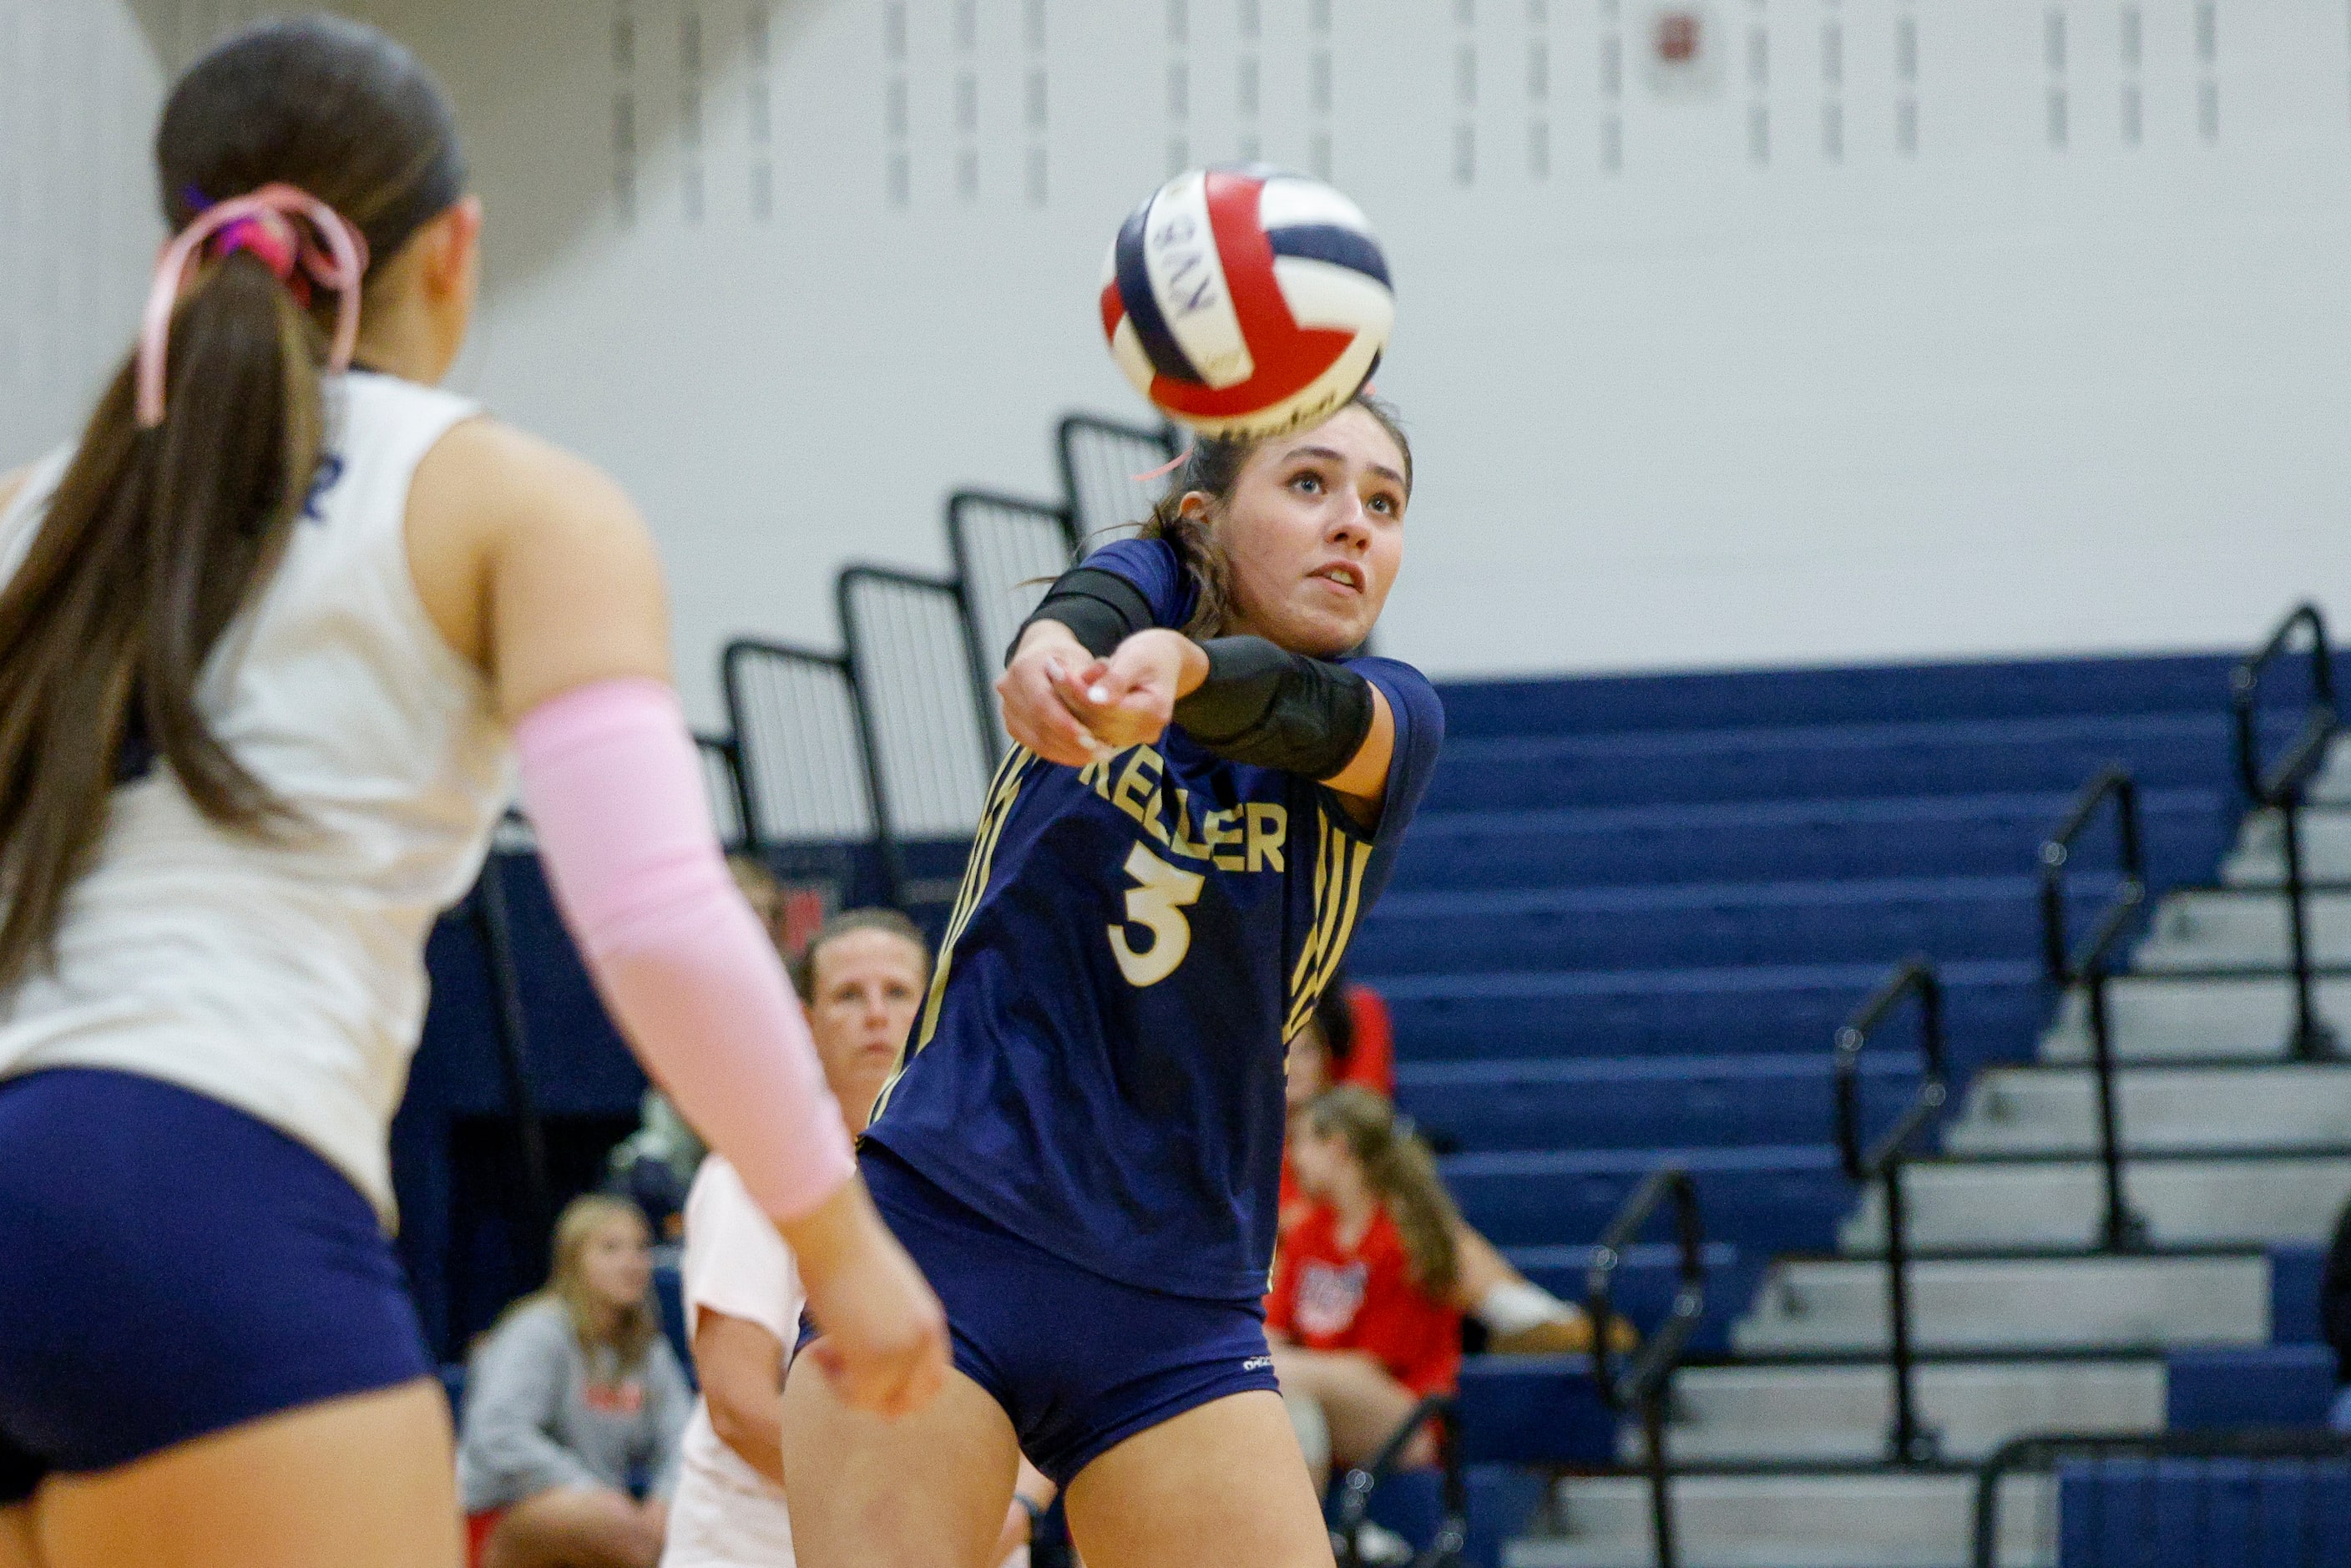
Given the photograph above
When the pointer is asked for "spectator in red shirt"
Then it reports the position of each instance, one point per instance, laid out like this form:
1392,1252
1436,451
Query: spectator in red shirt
1348,1042
1361,1314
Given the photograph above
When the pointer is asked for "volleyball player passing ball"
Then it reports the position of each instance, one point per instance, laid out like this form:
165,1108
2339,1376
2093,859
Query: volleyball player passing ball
1083,1146
272,635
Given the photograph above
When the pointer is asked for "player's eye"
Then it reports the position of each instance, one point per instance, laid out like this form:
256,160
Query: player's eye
1307,483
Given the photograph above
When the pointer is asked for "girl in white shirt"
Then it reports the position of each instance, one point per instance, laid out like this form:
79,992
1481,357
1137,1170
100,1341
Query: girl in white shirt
862,978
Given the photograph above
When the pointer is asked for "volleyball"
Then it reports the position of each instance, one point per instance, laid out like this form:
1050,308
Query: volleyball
1246,301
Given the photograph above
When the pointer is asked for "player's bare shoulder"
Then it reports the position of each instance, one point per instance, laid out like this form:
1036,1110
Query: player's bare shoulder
490,499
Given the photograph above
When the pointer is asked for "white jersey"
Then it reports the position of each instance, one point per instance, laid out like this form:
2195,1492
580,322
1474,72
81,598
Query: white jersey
286,976
724,1514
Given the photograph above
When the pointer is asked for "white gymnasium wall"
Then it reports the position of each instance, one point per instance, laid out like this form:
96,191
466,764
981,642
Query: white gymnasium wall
1883,330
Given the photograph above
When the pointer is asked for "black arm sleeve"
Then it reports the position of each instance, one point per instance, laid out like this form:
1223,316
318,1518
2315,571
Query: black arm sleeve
1275,709
1101,609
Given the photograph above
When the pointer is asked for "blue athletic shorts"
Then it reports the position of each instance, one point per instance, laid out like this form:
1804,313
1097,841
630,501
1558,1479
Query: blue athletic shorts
1080,1362
170,1267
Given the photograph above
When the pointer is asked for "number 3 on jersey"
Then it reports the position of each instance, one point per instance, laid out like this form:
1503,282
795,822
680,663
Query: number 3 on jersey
1157,905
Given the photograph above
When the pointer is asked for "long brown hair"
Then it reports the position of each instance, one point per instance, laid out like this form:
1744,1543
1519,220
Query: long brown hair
638,1324
1214,467
155,539
1402,1172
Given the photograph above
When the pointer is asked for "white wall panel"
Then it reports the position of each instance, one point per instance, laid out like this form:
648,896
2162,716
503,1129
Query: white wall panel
1897,330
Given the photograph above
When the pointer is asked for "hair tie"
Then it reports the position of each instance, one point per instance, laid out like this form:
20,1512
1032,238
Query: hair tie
334,255
1165,469
271,237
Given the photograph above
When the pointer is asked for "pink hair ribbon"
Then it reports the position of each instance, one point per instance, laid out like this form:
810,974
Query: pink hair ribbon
262,222
1164,470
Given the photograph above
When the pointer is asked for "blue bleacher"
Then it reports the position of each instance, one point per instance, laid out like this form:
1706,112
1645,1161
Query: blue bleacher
1577,1103
1635,910
2204,1513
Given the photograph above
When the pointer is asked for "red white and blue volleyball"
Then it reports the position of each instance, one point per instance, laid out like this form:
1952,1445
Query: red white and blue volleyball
1247,301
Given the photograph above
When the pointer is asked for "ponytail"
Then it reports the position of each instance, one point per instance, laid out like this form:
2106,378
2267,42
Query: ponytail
1400,1168
152,543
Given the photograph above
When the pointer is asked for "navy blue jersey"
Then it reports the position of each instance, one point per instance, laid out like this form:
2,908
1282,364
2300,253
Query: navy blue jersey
1098,1066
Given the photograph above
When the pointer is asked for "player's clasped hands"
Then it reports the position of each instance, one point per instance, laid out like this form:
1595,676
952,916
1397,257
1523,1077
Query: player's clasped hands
1070,707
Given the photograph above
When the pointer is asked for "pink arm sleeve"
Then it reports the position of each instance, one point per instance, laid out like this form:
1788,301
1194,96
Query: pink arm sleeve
614,789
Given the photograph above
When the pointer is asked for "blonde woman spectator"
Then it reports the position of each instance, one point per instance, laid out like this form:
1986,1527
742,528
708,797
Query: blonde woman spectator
574,1395
862,978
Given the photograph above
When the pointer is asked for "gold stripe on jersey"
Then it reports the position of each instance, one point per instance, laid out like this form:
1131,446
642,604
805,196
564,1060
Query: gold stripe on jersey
1311,947
1002,791
1340,863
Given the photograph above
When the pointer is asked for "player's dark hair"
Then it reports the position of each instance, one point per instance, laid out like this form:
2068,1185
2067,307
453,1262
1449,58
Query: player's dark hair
803,968
1336,1016
1212,468
1403,1171
155,539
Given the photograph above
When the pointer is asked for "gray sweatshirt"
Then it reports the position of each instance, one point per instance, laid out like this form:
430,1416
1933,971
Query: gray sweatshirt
542,1413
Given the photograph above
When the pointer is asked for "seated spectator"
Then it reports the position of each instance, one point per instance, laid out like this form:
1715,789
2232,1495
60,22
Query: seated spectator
1361,1314
1520,1317
574,1406
862,980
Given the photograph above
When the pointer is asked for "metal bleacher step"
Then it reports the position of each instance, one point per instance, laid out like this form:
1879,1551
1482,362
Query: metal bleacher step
2258,859
1997,1303
2210,1105
1863,1517
1842,1411
2224,928
2194,1012
2201,1198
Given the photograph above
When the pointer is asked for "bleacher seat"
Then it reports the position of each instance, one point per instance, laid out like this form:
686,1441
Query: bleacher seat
2204,1513
1770,1197
2247,1386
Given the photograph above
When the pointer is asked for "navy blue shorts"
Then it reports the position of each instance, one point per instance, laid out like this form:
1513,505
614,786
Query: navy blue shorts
170,1267
1080,1362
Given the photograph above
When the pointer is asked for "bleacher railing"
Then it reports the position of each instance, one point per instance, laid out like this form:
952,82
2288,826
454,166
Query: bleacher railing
2044,1452
856,753
722,778
2280,788
1647,1384
1439,1413
1908,1442
1006,552
1104,469
809,777
2120,1229
926,716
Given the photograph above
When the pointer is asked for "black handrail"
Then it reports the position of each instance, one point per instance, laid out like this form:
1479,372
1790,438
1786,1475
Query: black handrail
2282,788
2043,1450
1909,1442
1355,1490
1647,1384
509,1027
886,843
730,760
2087,966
